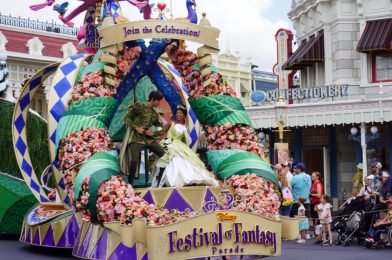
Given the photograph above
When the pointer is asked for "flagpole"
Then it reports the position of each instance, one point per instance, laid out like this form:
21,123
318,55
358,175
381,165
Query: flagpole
171,9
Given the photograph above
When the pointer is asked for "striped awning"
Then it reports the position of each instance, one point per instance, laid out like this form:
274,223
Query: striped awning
376,36
308,53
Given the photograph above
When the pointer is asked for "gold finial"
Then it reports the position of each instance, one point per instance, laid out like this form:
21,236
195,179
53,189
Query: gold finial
204,21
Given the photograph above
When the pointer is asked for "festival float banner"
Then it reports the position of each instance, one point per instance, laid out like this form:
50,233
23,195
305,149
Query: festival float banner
118,222
124,32
218,233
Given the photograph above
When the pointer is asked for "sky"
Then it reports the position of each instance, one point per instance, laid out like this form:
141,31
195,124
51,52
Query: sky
247,26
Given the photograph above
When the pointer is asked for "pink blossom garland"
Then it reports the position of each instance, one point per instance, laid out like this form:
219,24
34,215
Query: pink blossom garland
118,201
254,194
235,136
93,84
77,148
183,61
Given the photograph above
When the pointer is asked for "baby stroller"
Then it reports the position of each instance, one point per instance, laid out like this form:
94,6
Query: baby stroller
354,222
374,239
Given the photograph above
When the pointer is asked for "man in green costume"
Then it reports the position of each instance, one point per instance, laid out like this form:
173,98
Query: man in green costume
140,119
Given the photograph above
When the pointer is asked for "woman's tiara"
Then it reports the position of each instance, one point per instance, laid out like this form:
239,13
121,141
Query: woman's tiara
181,107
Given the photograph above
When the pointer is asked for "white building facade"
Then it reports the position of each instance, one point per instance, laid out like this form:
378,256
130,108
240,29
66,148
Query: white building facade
31,45
344,60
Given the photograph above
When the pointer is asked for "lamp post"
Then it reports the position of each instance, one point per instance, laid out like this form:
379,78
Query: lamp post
364,138
281,108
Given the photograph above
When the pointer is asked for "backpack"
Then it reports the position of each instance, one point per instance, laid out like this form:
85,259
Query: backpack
287,197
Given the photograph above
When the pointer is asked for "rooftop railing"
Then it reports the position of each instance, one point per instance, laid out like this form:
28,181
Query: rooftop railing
36,25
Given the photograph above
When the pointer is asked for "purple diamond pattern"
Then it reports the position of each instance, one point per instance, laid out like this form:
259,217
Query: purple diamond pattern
28,237
43,199
53,137
61,183
67,201
20,123
99,251
145,257
77,56
49,69
57,110
210,202
148,197
123,252
21,146
49,239
70,233
22,235
62,87
26,167
176,201
35,83
24,101
34,185
68,68
83,250
36,240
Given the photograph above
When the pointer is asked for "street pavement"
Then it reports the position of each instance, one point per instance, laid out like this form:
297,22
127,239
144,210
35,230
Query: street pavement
12,249
309,251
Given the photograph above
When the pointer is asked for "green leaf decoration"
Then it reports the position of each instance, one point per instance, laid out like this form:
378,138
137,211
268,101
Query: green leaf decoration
196,67
98,66
93,186
244,163
215,157
143,89
213,68
220,110
100,162
84,114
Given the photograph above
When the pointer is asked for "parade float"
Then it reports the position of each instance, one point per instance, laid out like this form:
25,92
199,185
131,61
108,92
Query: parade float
16,198
95,211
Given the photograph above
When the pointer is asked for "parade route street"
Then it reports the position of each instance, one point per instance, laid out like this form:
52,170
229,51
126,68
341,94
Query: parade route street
15,250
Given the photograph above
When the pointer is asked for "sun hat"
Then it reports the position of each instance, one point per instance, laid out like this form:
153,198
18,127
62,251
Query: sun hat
278,166
378,165
370,177
385,174
360,166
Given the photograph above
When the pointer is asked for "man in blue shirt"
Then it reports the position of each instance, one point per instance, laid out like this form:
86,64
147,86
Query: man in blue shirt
300,184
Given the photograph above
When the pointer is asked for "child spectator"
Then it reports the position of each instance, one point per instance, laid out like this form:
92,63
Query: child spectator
285,207
303,224
324,210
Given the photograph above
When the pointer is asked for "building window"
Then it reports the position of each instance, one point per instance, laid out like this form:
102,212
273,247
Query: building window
381,66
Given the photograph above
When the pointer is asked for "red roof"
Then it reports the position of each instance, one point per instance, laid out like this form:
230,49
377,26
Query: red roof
17,42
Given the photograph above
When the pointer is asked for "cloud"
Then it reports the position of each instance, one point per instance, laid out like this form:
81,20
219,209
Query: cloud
242,24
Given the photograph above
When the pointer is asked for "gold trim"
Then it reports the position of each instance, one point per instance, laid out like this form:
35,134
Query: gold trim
154,28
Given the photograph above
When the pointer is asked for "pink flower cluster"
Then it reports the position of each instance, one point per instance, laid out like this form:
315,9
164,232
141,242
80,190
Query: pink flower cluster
125,60
44,211
78,147
254,194
231,136
183,61
118,201
91,85
82,201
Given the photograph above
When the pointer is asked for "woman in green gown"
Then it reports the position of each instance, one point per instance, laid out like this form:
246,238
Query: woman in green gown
182,165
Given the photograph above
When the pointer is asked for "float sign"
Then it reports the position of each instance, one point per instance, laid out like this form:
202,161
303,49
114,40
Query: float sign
330,91
218,233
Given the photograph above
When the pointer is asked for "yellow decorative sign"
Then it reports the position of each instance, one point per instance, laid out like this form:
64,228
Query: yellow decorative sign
168,29
226,216
205,235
